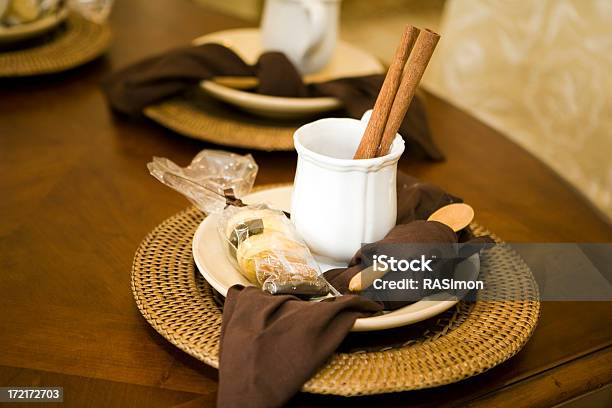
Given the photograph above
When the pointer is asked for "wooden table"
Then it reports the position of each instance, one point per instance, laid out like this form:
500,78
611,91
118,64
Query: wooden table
77,200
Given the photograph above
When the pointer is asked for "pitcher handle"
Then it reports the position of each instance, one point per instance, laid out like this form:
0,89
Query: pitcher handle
317,15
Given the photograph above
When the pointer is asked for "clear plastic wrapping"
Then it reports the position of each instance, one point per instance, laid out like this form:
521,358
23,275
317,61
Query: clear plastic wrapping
268,251
261,241
208,178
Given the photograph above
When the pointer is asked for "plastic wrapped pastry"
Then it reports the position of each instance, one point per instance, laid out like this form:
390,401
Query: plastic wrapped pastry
261,241
269,253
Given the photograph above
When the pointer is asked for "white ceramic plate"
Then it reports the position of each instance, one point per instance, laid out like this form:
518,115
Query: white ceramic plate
212,262
29,30
347,61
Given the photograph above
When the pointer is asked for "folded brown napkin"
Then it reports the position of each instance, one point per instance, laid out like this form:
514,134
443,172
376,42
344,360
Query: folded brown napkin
154,79
271,345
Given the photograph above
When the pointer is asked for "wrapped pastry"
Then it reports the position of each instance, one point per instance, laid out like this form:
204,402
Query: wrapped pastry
262,242
269,253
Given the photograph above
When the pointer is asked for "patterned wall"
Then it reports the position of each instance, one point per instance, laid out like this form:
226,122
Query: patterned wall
541,72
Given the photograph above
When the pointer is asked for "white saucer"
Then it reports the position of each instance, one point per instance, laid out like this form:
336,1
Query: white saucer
347,61
212,262
29,30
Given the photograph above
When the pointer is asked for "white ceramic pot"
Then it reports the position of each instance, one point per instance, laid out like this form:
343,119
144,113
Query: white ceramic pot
339,203
304,30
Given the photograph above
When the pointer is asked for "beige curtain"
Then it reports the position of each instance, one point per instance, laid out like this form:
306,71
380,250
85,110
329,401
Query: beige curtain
540,71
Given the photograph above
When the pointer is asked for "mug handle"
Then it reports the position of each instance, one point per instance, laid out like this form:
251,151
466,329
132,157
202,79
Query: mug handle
318,23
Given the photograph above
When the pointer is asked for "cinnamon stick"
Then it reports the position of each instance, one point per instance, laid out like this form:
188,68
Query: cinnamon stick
417,62
368,147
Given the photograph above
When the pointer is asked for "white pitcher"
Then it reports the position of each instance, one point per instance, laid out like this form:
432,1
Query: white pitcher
339,203
304,30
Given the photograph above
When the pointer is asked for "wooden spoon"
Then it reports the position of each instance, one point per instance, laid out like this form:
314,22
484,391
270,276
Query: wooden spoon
456,216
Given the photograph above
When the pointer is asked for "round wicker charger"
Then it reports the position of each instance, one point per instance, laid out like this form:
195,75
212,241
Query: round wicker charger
465,341
200,117
74,43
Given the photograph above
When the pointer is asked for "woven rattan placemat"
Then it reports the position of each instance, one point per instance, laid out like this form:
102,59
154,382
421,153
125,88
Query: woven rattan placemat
464,341
74,43
201,117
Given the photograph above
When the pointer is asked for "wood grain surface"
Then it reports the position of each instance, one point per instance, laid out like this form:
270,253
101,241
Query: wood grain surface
77,200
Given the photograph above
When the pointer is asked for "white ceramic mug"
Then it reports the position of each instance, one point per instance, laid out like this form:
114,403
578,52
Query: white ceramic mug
304,30
339,203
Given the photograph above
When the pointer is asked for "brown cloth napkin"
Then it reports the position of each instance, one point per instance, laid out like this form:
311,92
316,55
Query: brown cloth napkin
154,79
271,345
